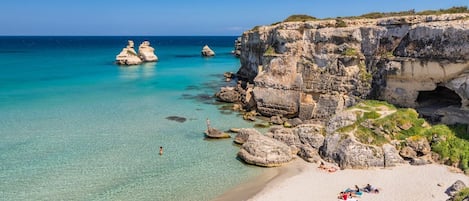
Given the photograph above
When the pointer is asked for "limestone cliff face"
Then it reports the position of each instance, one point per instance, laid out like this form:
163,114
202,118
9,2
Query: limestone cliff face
314,69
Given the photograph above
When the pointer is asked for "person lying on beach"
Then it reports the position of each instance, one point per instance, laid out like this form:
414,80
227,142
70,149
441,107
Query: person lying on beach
353,193
370,189
329,169
348,196
357,189
343,196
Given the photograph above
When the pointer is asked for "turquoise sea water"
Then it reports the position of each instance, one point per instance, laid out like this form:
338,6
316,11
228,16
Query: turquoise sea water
74,126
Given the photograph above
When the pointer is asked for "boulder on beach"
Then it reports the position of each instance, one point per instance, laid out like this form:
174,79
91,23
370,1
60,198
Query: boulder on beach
244,133
207,52
128,56
146,52
455,188
264,151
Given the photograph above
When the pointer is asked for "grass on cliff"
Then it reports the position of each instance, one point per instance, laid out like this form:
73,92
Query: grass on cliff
299,18
452,10
350,52
372,15
379,122
270,51
340,23
451,143
463,193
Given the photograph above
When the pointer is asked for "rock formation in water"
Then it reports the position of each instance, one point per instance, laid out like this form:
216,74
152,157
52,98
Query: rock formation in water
146,52
128,56
315,69
207,52
215,133
237,47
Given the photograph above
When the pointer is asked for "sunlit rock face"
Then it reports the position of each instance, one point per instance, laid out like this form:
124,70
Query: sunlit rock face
146,52
315,69
128,56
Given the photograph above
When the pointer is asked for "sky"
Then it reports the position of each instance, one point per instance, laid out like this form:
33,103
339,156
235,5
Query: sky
180,17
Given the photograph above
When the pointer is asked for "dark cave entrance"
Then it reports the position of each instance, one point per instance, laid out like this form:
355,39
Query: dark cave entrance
439,98
430,102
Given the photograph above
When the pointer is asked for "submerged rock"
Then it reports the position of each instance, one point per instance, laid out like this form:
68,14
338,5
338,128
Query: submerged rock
177,118
207,52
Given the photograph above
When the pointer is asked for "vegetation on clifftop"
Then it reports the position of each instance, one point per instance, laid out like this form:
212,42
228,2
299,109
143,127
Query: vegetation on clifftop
299,18
376,15
373,15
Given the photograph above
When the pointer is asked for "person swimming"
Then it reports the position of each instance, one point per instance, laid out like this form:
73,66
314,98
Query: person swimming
161,150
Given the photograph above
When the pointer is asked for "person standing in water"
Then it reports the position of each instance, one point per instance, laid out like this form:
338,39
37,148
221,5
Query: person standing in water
208,124
161,150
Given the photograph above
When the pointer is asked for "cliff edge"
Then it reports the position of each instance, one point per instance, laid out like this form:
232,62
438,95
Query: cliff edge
314,69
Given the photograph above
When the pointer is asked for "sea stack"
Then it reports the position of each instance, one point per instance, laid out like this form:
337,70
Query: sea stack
146,52
128,56
207,52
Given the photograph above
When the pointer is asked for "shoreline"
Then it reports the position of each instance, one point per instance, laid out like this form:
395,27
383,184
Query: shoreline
252,187
300,180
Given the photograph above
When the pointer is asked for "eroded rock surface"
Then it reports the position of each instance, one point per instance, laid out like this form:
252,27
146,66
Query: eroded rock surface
265,151
128,56
315,69
146,52
207,52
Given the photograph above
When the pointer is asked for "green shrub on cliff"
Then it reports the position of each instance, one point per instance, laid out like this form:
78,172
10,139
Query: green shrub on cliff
375,105
463,193
452,149
299,18
375,15
350,52
452,10
269,51
379,122
340,23
365,76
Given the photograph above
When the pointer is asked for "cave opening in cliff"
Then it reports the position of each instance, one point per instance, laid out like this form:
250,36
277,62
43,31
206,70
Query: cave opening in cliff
439,98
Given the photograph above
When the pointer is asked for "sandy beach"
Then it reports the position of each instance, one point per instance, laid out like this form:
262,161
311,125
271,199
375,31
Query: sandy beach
406,182
300,181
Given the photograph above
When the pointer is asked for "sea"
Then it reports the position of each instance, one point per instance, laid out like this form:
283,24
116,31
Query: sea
76,126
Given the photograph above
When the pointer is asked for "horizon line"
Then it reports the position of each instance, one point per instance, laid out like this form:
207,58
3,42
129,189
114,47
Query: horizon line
119,35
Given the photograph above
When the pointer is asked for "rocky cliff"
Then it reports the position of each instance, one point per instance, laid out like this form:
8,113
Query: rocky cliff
315,69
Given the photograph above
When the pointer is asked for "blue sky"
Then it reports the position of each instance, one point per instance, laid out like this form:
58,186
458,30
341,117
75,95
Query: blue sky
179,17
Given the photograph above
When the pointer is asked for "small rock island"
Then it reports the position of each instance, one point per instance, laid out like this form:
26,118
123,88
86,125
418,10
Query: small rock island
128,55
207,52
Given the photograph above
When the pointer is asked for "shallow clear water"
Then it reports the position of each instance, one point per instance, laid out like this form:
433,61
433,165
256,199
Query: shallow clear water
74,126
